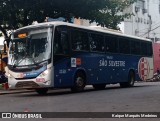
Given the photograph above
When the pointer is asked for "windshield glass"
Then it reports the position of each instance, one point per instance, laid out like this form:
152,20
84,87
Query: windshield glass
32,49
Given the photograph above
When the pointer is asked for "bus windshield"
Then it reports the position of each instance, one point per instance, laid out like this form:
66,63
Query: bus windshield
31,49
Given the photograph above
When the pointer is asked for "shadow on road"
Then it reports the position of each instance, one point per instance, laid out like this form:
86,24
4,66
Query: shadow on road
60,92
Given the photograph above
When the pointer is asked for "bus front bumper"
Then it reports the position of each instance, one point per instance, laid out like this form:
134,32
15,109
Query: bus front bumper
27,84
42,81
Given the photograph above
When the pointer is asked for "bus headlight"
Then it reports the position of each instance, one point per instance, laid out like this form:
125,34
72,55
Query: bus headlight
44,77
45,73
9,75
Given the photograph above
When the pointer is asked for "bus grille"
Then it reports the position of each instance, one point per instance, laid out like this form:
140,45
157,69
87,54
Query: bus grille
26,84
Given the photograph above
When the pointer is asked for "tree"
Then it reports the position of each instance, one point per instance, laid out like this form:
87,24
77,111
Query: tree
14,14
18,13
112,14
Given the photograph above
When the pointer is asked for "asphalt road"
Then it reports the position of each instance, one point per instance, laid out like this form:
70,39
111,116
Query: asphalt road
144,97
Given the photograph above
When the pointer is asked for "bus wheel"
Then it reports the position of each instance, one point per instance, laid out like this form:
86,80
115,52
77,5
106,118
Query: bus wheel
131,80
99,86
42,91
79,82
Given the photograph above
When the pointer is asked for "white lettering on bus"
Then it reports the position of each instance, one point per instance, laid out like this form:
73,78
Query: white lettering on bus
103,62
110,57
111,63
117,63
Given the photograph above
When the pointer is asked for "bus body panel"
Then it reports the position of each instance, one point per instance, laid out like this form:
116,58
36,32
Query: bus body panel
145,68
104,67
62,73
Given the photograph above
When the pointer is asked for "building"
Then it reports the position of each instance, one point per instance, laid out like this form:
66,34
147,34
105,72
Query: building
84,22
146,19
145,23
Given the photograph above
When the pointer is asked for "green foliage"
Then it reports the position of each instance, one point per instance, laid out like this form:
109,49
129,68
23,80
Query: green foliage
112,14
17,13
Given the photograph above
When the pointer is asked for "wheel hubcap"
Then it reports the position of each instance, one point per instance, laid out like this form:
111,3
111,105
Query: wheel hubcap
79,82
132,80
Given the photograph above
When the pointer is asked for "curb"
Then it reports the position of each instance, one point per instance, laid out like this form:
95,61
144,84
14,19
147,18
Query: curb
3,92
1,86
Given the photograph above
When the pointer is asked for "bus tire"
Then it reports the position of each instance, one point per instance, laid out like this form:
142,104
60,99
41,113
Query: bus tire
131,80
99,86
42,91
79,82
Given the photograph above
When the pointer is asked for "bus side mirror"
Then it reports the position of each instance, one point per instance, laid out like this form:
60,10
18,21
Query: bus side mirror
6,45
5,53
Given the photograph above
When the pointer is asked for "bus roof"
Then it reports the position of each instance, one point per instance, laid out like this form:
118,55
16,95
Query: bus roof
57,23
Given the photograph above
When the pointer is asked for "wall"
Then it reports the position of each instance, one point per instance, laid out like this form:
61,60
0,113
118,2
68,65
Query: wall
146,20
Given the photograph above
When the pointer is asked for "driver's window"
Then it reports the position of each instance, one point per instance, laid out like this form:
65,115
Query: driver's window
21,47
61,41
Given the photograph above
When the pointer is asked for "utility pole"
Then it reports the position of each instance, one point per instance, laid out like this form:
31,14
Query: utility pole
150,20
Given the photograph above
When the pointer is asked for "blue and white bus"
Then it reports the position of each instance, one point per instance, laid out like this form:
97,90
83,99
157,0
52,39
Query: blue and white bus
64,55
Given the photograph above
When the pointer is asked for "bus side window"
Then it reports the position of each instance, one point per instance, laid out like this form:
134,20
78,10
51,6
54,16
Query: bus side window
149,49
143,48
97,42
61,42
135,47
111,44
146,49
79,40
124,45
65,42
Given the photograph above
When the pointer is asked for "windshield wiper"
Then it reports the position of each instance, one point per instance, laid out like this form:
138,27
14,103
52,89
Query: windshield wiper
34,61
29,57
14,61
